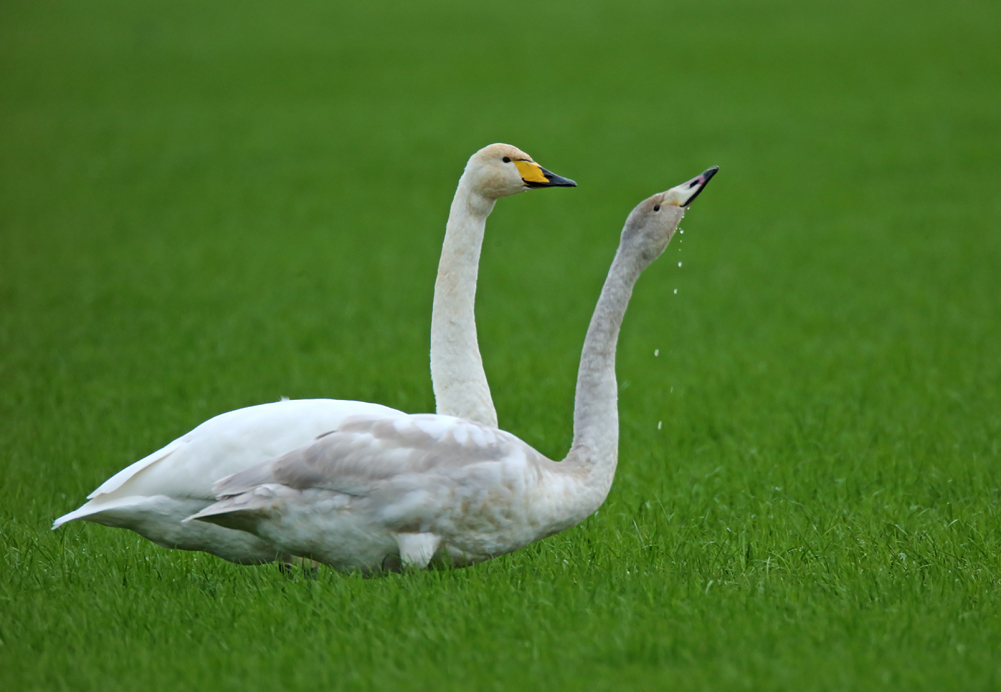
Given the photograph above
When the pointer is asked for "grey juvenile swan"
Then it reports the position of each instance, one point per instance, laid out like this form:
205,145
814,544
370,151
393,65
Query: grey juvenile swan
154,495
387,489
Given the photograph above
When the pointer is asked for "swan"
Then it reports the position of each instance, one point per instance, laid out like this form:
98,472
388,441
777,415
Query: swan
154,494
388,490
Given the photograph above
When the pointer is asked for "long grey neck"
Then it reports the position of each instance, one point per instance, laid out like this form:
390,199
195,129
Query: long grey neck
460,384
595,448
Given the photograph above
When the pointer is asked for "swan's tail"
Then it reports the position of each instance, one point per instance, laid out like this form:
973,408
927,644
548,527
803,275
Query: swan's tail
71,516
113,513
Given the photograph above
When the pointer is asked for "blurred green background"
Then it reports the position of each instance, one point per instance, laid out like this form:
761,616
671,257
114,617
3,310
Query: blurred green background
210,205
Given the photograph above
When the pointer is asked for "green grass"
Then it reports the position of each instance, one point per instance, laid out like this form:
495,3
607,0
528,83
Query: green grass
209,205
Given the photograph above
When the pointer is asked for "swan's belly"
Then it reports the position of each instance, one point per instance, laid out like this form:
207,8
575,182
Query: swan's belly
486,517
330,528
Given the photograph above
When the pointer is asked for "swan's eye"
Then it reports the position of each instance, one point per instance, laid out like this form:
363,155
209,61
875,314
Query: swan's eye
656,207
506,160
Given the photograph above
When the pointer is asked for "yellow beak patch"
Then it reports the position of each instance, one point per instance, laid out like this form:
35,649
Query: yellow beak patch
531,172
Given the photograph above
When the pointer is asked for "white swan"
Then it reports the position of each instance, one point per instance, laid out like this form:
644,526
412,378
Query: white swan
389,489
154,495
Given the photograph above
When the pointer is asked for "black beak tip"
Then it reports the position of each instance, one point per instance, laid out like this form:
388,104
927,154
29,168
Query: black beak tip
705,178
552,180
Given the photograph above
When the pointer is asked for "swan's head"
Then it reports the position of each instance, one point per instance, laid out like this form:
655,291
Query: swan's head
500,170
652,224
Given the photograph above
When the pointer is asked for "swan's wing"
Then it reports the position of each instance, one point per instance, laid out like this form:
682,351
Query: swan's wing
367,451
116,481
433,476
188,467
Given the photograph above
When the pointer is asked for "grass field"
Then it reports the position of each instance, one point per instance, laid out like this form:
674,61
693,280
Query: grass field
205,206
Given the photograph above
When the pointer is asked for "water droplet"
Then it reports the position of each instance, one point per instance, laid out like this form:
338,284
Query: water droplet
672,390
675,291
679,264
659,423
681,231
656,352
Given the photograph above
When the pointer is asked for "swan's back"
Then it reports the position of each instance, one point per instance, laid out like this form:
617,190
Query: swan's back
187,468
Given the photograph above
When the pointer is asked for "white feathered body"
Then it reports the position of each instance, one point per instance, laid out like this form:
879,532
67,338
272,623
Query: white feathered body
389,489
405,488
154,495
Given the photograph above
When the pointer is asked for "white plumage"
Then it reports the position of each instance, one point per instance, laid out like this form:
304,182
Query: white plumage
388,489
354,498
154,495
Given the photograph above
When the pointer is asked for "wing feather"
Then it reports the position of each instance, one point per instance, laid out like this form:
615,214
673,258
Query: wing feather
367,451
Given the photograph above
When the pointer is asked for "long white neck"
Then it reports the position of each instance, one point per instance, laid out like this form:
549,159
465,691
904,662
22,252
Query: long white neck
460,384
595,448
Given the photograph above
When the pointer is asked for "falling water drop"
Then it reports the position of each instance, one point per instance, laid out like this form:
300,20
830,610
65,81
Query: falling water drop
656,352
679,264
681,231
675,291
659,423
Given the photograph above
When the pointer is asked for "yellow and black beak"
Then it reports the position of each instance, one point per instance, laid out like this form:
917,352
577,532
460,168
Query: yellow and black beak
534,175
